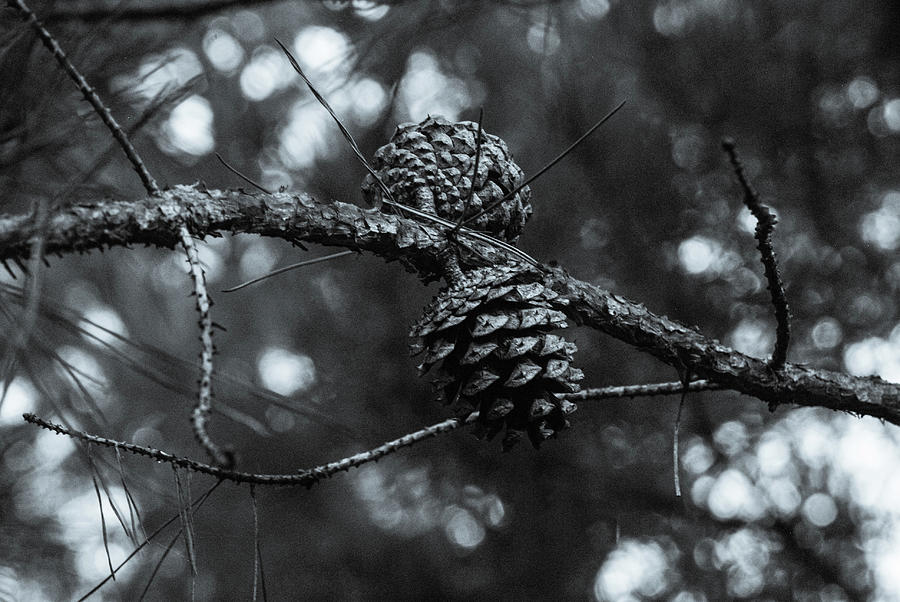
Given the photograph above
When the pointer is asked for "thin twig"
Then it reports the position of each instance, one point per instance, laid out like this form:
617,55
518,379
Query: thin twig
541,171
668,388
203,409
255,539
201,412
675,436
293,266
306,477
89,94
765,225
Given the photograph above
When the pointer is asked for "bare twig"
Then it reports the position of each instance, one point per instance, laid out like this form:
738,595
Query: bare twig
203,409
648,390
89,94
765,225
201,412
306,477
675,436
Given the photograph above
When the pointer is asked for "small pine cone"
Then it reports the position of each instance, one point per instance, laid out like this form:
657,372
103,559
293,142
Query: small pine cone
429,165
490,331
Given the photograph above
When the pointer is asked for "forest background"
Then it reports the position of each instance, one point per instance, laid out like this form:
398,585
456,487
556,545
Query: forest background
795,503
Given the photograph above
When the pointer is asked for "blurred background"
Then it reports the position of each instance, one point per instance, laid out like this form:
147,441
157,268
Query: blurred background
313,365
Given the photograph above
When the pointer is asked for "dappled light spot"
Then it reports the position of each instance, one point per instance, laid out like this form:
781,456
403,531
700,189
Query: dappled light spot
734,496
84,368
820,509
834,106
746,555
542,38
402,502
100,324
188,130
258,258
874,355
408,501
862,92
462,529
80,529
671,18
783,496
149,436
634,568
323,53
697,457
689,146
882,226
21,397
159,73
280,420
678,17
370,10
593,9
16,586
368,99
774,454
892,115
877,121
746,220
827,333
248,25
267,72
308,136
752,337
212,257
51,449
285,371
494,511
698,254
223,51
426,90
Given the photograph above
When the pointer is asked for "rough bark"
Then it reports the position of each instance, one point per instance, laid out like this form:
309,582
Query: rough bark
156,221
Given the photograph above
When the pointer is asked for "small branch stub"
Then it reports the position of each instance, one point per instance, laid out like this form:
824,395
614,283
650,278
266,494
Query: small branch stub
765,225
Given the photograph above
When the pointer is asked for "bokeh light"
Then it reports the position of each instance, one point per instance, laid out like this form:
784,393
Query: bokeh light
285,372
189,129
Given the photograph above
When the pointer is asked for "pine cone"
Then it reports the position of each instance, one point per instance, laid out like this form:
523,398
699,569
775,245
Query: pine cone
491,332
430,165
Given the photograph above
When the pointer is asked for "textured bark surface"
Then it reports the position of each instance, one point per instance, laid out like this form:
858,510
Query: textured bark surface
156,221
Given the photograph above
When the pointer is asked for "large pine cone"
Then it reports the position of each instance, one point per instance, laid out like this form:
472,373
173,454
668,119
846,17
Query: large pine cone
490,331
429,165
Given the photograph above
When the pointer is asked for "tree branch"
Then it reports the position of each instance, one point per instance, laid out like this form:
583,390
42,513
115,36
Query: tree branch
156,221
